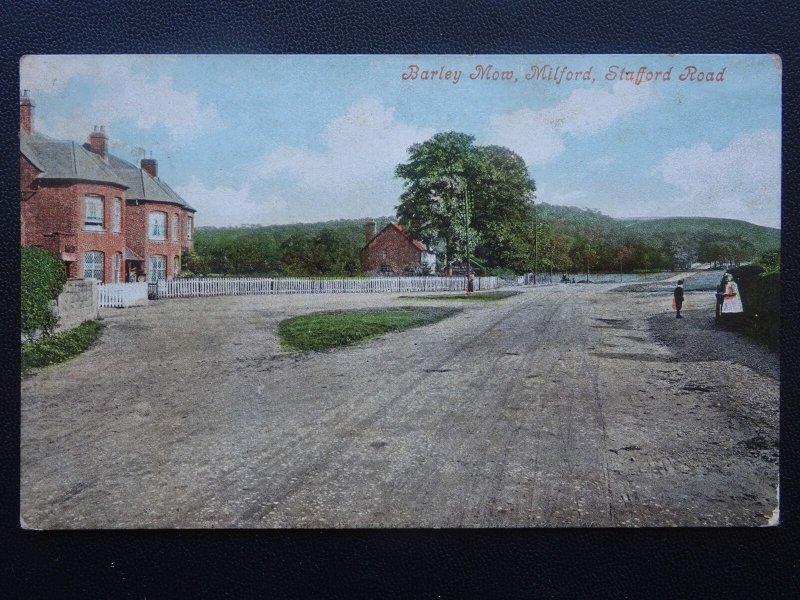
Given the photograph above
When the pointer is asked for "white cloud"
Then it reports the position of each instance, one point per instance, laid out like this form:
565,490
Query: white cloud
222,206
351,177
538,136
124,91
740,181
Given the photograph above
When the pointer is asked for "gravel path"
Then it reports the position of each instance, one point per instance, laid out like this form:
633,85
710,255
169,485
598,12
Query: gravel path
563,406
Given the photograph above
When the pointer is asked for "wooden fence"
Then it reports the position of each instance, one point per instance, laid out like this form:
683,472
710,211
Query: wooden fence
121,295
230,286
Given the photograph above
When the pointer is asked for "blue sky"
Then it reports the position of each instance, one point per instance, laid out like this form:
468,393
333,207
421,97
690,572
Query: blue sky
249,139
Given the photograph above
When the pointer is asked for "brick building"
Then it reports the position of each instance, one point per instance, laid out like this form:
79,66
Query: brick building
106,218
393,250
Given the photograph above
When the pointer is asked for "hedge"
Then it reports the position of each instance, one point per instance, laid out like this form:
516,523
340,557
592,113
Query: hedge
761,298
42,279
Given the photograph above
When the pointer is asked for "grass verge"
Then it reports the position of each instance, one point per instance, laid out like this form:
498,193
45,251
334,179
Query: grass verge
60,347
476,297
323,331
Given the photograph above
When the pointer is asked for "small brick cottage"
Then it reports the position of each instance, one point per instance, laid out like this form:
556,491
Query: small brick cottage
393,250
106,218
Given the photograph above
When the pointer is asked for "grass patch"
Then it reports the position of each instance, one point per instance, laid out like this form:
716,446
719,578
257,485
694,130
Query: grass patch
59,348
323,331
462,297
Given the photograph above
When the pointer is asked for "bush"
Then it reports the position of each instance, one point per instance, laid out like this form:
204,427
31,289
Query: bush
761,298
42,279
59,348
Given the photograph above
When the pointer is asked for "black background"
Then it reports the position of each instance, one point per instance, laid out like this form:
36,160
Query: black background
559,563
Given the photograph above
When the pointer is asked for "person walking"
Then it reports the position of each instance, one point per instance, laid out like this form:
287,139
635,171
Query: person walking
677,299
721,293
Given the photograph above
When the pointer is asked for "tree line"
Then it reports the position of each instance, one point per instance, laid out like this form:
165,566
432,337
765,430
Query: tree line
463,199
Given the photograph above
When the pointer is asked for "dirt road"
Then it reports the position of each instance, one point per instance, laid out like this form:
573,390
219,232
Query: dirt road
557,407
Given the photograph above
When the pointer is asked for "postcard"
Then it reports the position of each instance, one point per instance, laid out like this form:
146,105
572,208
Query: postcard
400,291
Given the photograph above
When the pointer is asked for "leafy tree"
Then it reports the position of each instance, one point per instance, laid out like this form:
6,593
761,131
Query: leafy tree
441,173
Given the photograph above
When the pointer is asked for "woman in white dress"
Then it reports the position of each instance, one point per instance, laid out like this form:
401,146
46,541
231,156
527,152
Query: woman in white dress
731,301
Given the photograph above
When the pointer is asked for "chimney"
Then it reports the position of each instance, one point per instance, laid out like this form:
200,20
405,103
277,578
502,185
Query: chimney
150,166
369,230
98,142
26,112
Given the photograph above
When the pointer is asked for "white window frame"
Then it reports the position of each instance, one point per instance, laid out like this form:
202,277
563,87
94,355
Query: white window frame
116,267
175,227
93,263
157,268
116,217
156,218
189,225
95,222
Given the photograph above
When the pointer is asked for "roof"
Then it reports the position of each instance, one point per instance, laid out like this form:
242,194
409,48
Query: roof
397,227
143,186
60,159
63,159
128,254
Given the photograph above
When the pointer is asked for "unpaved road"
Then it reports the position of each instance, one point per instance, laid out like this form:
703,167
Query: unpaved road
557,407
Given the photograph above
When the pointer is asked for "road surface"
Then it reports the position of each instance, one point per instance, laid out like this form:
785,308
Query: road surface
556,407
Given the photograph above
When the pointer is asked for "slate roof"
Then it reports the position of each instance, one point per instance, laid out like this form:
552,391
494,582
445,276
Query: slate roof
60,159
142,186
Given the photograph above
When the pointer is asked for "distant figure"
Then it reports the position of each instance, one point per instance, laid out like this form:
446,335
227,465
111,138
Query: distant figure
573,280
721,292
470,283
731,301
677,299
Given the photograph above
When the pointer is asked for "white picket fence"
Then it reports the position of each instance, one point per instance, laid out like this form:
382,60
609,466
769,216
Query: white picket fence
121,295
229,286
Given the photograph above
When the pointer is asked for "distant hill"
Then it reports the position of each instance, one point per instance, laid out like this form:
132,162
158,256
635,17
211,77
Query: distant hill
763,239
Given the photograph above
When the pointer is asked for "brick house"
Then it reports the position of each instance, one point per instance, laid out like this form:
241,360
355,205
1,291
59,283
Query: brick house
393,250
106,218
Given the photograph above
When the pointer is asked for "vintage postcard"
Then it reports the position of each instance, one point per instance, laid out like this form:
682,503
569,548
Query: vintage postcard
399,291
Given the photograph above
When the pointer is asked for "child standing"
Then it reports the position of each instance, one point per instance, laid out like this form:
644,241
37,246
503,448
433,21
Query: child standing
677,299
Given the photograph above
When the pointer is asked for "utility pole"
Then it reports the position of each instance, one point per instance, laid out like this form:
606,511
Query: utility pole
535,248
466,230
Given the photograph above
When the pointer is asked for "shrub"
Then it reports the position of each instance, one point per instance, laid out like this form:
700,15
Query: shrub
761,293
42,279
60,347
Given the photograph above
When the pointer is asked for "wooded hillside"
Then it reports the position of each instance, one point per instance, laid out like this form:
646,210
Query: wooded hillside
565,238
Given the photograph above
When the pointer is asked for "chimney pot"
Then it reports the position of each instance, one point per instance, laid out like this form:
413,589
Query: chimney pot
369,231
149,165
26,112
98,142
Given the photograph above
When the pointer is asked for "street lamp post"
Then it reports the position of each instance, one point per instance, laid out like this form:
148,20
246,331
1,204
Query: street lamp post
466,232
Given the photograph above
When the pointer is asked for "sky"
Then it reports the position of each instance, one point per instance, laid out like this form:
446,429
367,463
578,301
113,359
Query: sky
276,139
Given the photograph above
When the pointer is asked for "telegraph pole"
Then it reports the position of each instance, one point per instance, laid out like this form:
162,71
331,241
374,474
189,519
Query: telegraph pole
466,230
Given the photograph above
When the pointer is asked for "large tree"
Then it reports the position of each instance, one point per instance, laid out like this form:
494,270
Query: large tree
441,173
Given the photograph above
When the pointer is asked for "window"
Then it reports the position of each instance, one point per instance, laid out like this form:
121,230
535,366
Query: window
158,267
93,211
175,218
116,218
189,228
116,265
93,265
158,226
177,266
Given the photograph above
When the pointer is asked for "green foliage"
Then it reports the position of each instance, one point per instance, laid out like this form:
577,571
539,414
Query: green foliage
760,293
323,331
59,348
280,250
42,279
455,191
770,261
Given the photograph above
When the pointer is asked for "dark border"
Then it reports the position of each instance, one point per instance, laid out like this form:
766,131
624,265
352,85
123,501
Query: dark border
550,563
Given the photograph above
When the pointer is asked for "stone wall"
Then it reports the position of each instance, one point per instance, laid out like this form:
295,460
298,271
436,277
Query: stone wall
76,303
